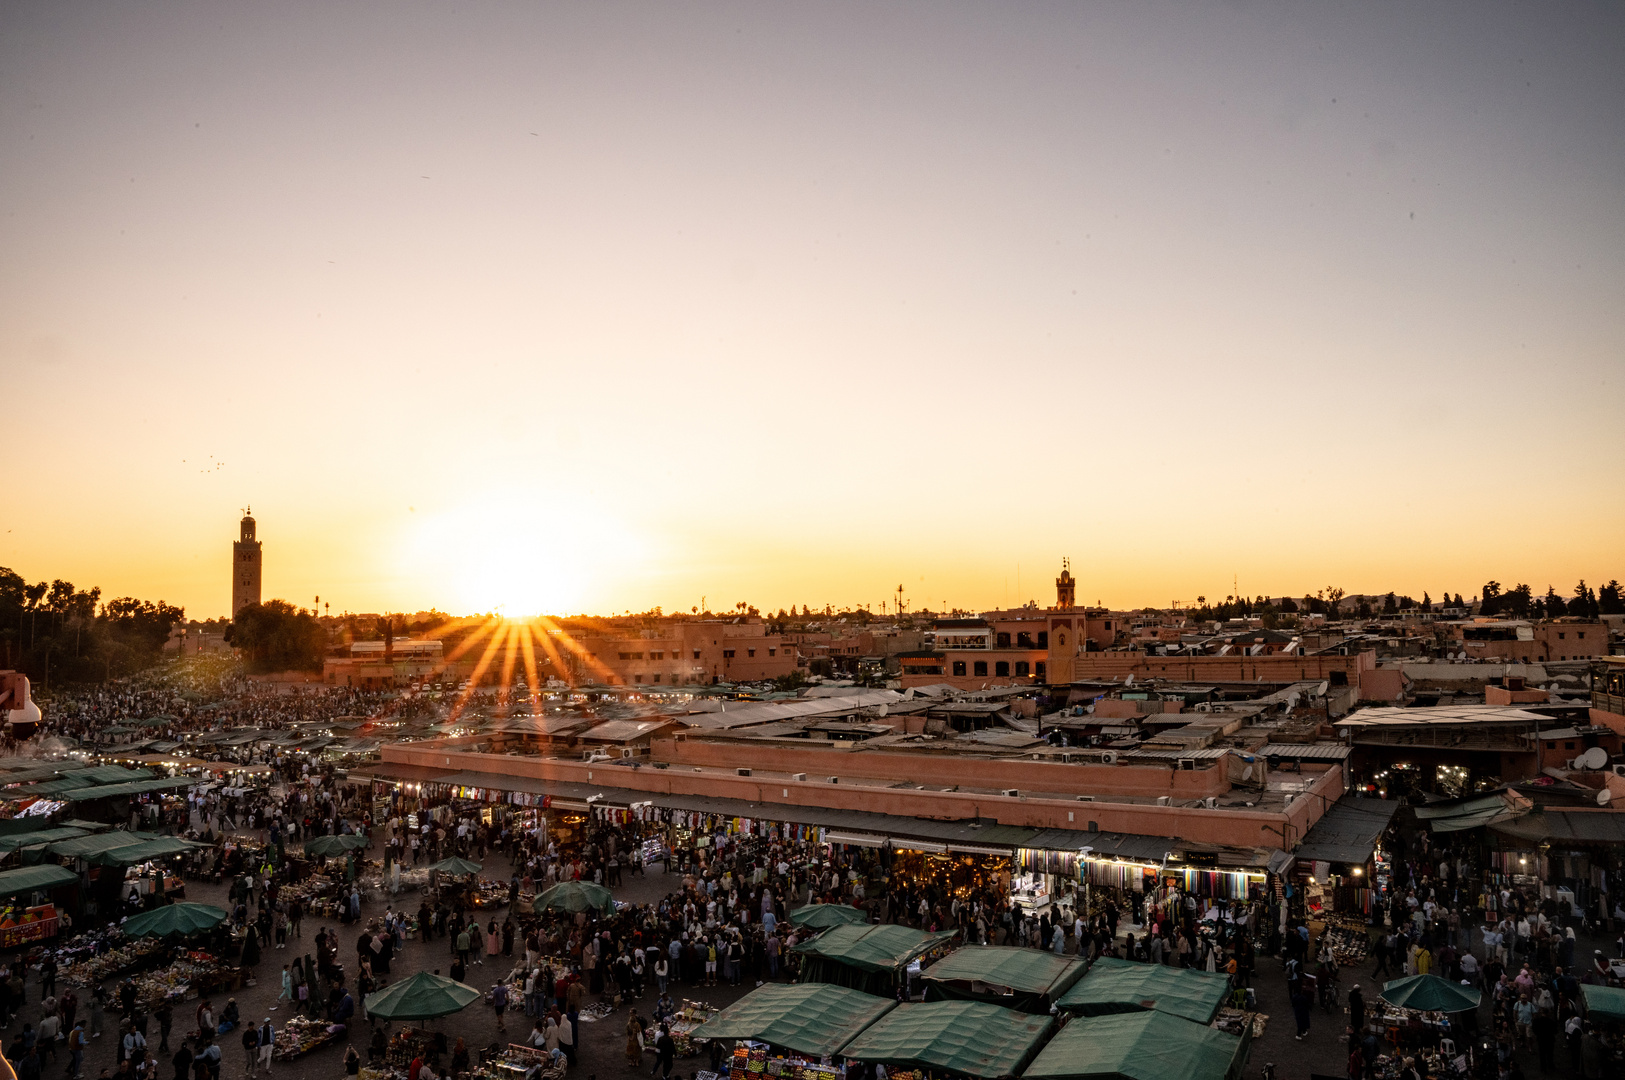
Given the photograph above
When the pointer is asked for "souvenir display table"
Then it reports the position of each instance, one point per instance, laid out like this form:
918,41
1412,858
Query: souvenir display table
512,1063
120,957
1349,940
685,1020
194,975
300,1035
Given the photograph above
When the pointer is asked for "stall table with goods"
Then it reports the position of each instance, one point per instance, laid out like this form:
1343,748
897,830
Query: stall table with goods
685,1020
1348,938
108,956
514,1062
755,1060
300,1035
194,975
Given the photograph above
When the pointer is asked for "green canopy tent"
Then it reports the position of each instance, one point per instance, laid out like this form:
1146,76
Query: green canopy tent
823,916
575,896
1604,1004
1146,1045
83,847
421,997
964,1037
807,1018
334,845
131,854
34,878
869,958
1429,993
174,920
1026,979
456,866
1115,986
42,836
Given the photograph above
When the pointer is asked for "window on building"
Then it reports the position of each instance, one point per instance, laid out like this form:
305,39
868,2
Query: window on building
1024,641
750,652
696,654
1568,746
1002,641
1581,634
656,677
1038,669
1021,667
959,667
637,678
1062,639
1043,639
1560,635
1002,669
727,654
772,652
657,656
981,668
631,656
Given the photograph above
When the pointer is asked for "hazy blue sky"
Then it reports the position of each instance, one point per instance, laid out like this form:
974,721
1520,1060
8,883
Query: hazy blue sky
612,305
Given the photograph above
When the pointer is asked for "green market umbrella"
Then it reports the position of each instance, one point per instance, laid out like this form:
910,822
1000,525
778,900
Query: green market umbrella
334,845
175,920
1429,993
821,916
575,896
421,997
457,866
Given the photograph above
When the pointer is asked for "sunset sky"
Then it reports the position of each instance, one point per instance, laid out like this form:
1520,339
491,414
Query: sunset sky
589,307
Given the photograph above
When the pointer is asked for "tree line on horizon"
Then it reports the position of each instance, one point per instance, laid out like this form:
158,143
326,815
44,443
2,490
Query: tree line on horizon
54,632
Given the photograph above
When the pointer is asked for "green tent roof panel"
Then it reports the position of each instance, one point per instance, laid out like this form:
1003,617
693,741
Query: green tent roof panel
966,1037
884,947
29,878
83,847
823,916
146,850
1604,1003
807,1018
1147,1045
1114,986
1030,978
42,836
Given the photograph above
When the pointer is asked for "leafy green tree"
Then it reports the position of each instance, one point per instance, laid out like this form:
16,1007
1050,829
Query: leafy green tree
1491,603
1609,600
276,636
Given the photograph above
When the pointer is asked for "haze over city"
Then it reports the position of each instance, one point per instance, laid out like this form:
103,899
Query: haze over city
548,308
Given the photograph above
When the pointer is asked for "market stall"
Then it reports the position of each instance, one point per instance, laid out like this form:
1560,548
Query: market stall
1115,986
1416,1011
573,896
961,1038
1028,980
807,1018
874,958
823,916
1147,1045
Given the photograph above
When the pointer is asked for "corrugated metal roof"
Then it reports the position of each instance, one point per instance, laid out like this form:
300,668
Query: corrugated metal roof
1349,830
1321,751
765,712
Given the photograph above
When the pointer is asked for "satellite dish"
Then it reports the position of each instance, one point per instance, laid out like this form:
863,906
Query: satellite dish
1129,681
908,695
1320,691
1595,758
1247,773
1604,797
882,711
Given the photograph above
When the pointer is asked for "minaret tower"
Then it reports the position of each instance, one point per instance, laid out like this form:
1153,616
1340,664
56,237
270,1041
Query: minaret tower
1066,587
245,566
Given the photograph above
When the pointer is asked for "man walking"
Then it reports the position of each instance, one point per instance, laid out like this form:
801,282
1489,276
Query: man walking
267,1043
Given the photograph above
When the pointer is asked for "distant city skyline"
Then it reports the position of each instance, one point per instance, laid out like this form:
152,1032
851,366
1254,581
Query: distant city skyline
554,308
